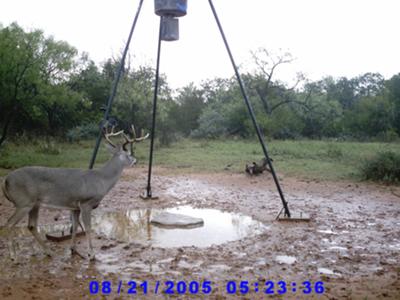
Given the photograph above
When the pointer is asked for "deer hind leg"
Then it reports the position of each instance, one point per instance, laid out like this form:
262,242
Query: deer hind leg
32,226
86,218
19,213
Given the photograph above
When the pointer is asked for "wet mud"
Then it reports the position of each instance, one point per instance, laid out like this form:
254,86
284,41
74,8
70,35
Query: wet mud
351,244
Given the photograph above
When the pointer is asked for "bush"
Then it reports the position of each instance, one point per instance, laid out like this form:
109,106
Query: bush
166,138
334,152
388,136
83,132
212,125
48,147
285,134
385,166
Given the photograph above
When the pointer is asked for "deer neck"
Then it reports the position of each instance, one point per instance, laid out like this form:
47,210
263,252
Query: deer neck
111,171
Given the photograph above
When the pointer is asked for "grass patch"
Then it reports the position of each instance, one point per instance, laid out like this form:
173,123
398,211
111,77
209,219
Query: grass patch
41,154
322,160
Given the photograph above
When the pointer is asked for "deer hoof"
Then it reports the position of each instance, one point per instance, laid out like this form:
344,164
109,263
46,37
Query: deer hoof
74,252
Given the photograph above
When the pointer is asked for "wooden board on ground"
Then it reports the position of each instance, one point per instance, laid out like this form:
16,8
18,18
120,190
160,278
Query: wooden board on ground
60,237
297,217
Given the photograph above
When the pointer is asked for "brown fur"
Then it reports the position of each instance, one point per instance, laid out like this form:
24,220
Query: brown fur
258,168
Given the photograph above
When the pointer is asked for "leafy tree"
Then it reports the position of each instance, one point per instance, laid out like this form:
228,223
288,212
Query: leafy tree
33,77
46,88
94,89
370,117
393,88
134,102
369,85
212,124
191,103
273,93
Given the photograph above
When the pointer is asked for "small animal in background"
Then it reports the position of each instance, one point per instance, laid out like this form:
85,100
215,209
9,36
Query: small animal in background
258,168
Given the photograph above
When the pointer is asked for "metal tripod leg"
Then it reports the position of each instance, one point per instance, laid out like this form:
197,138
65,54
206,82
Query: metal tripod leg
115,86
147,195
251,111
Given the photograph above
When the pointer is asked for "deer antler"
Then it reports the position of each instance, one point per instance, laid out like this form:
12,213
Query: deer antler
107,135
135,139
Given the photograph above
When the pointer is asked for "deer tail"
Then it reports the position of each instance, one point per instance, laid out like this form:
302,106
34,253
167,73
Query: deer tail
4,187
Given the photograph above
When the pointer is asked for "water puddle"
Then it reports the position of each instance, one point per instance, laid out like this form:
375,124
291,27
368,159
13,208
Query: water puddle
218,228
395,247
326,271
328,231
284,259
134,226
339,248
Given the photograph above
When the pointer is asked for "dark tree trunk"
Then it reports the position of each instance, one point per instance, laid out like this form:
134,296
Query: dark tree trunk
6,126
264,102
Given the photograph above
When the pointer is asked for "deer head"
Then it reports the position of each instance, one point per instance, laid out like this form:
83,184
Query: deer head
121,150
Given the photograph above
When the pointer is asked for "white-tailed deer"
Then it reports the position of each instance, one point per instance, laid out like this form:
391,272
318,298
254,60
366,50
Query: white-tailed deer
78,190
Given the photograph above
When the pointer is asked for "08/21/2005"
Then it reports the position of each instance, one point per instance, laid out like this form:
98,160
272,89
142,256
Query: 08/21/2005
204,287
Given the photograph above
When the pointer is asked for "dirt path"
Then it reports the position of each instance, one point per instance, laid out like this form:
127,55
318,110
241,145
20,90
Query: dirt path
351,245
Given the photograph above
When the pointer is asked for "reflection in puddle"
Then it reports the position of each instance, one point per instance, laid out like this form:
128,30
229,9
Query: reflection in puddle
134,226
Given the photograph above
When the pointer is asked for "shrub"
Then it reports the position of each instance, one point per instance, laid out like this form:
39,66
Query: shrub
334,152
385,166
166,139
388,136
83,132
285,134
48,148
212,125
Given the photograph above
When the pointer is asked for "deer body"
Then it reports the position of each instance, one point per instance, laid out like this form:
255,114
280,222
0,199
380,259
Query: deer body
71,187
78,190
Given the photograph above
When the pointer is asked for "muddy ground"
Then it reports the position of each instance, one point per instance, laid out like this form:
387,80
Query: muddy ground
351,244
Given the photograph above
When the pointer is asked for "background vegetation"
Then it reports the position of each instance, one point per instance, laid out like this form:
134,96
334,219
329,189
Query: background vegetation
49,90
311,159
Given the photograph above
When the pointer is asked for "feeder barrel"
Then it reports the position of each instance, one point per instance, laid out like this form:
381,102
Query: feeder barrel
170,8
169,29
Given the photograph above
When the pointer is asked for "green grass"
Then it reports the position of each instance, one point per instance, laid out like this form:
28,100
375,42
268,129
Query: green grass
322,160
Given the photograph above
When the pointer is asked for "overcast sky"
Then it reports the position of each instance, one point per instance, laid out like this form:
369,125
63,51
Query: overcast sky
327,37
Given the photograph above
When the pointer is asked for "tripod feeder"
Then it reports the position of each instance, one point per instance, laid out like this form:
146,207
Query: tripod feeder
169,11
170,8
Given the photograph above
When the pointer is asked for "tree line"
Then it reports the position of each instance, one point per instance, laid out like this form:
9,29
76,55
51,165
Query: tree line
48,89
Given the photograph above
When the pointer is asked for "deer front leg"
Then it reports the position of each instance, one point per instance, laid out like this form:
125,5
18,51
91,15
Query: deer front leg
75,222
86,212
32,226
